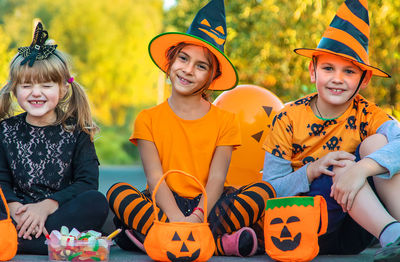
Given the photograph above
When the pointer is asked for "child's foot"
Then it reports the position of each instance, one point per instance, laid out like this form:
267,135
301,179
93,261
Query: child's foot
241,243
389,253
136,238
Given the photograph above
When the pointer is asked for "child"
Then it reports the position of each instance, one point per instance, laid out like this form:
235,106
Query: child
314,142
48,164
188,133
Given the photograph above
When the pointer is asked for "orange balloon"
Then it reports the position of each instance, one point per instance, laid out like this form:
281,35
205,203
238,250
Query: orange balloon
255,108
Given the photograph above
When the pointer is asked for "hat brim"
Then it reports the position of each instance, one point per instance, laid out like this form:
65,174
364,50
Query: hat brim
160,44
313,52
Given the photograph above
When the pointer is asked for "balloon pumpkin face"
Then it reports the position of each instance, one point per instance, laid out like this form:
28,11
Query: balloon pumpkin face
255,107
292,226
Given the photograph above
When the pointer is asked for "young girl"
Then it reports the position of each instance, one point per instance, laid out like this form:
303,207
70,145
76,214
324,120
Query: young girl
48,164
188,133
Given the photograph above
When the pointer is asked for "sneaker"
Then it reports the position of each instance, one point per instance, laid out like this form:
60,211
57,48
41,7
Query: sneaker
241,243
389,253
136,238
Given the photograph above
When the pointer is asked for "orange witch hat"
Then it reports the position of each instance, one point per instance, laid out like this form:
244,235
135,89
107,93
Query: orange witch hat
347,36
208,29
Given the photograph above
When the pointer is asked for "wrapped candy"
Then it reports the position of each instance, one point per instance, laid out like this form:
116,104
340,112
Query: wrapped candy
65,245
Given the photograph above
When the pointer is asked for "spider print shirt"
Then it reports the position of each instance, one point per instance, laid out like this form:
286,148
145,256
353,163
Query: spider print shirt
299,136
45,162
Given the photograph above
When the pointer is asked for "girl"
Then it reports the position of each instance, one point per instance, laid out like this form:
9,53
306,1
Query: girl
48,164
188,133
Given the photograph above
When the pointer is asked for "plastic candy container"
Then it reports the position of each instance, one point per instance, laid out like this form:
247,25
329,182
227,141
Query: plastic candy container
65,245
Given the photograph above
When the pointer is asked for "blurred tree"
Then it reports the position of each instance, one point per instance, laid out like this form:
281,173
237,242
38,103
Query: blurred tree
111,44
385,50
5,56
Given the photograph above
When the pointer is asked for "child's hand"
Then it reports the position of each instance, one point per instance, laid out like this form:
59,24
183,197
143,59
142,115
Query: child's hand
192,218
34,217
320,166
346,184
179,217
14,206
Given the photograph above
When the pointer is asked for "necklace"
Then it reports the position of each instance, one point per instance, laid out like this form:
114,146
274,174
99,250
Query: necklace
316,106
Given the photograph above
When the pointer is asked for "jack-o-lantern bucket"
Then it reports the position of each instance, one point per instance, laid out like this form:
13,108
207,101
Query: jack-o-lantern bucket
179,241
8,233
292,226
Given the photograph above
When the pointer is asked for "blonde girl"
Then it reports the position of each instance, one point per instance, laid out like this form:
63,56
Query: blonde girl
48,163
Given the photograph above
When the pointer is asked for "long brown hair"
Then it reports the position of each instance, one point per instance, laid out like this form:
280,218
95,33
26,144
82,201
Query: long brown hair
74,105
172,54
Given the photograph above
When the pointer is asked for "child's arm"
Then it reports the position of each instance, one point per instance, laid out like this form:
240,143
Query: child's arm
286,182
153,170
384,160
6,183
388,156
217,175
279,173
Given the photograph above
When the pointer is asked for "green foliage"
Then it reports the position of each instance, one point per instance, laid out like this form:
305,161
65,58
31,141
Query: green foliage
113,147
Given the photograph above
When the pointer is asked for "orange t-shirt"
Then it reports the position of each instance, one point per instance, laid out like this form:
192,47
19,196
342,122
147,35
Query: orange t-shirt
186,145
299,136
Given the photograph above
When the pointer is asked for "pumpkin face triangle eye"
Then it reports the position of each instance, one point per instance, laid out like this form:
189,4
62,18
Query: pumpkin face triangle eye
190,237
176,237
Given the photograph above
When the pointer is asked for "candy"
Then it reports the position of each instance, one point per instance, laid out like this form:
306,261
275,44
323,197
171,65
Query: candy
65,245
64,231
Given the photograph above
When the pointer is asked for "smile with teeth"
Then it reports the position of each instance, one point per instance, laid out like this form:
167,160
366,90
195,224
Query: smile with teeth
335,90
184,80
37,102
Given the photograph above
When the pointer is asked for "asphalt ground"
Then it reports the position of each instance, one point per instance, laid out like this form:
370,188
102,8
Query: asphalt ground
136,177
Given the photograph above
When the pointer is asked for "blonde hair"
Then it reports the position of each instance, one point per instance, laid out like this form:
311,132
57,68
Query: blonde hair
74,105
172,54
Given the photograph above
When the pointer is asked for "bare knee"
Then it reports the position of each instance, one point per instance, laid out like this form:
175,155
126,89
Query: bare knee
371,144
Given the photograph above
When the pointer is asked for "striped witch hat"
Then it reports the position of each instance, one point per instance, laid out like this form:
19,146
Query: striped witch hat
208,29
347,36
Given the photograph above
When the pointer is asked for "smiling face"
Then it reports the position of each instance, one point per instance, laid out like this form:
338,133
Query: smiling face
336,80
190,71
39,100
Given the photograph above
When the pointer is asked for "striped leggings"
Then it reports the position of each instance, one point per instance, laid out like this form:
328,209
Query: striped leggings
236,208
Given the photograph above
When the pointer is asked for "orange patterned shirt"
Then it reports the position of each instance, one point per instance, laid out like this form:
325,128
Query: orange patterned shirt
299,136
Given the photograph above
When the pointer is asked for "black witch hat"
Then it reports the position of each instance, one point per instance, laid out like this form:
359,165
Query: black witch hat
38,50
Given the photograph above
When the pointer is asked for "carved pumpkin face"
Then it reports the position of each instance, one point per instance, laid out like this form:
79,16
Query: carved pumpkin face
285,241
218,34
182,249
179,241
292,226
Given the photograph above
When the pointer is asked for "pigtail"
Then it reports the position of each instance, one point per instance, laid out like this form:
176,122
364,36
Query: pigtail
6,108
75,105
